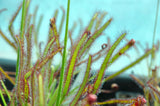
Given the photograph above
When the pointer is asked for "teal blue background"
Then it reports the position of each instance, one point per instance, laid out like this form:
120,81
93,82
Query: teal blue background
136,17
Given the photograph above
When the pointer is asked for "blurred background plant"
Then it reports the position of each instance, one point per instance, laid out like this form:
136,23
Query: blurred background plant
43,83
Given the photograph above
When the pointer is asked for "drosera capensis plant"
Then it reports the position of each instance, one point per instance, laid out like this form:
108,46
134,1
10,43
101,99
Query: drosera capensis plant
43,84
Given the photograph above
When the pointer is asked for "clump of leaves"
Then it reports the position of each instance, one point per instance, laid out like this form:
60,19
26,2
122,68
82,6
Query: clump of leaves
44,84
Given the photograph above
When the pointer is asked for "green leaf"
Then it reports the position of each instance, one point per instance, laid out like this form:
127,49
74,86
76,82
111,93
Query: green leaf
41,93
106,63
94,36
122,51
2,97
130,65
72,64
84,82
3,85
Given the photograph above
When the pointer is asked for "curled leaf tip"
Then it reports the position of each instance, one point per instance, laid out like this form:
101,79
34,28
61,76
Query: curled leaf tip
131,42
110,19
104,46
52,21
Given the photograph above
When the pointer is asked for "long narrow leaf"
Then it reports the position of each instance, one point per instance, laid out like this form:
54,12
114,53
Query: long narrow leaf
7,76
55,32
3,85
105,63
100,20
62,21
85,80
118,101
122,50
29,45
7,40
48,46
129,66
53,98
71,65
41,90
11,23
94,36
2,97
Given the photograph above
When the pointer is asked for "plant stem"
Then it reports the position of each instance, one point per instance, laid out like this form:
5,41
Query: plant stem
155,24
64,58
154,34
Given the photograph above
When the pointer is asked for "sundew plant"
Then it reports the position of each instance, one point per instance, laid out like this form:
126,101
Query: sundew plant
41,83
